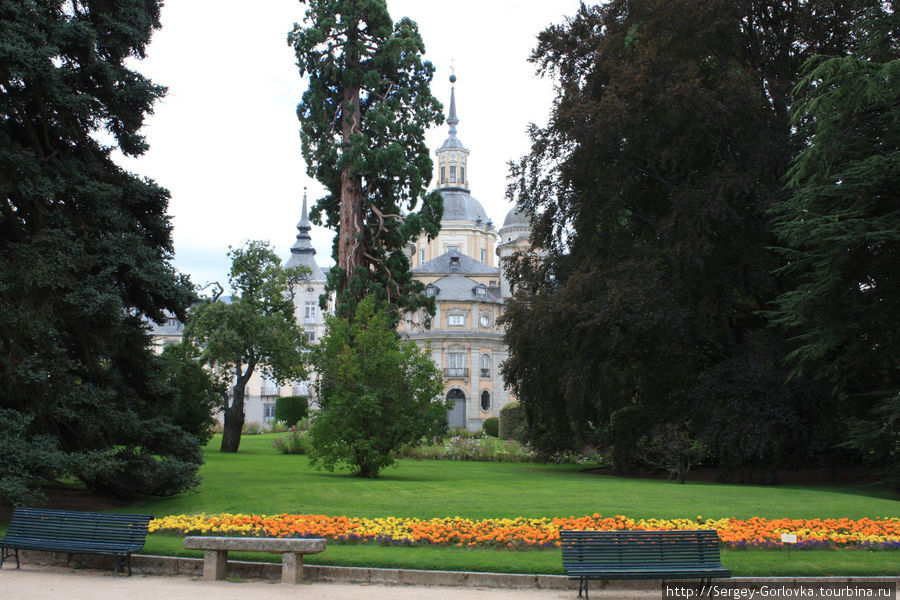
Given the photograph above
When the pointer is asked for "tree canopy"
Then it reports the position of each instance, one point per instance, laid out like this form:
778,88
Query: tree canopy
363,121
840,231
648,191
85,248
254,331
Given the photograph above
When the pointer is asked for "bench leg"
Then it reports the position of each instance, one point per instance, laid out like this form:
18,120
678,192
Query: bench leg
291,567
8,553
215,565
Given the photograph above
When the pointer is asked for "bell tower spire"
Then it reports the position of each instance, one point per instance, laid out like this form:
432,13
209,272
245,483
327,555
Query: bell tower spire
452,156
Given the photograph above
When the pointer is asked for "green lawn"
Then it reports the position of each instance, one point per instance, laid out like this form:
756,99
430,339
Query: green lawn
260,480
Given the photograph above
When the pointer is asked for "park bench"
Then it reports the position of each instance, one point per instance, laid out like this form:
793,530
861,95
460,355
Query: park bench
216,548
75,532
641,555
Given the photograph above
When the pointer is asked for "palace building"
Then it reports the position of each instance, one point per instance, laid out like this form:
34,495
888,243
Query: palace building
461,272
460,269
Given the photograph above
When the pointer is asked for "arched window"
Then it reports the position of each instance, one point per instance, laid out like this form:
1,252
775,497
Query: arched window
485,401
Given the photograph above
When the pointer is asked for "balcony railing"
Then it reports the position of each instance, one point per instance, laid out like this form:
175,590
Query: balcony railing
485,373
268,390
456,372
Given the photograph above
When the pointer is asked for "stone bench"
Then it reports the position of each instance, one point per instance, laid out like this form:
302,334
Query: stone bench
215,559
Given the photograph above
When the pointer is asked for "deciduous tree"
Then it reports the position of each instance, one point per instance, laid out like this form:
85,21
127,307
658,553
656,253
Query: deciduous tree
255,331
648,188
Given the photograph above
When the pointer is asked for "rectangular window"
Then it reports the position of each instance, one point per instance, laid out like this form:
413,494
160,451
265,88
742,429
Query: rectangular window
456,365
268,410
462,174
483,255
443,175
422,256
456,320
309,311
452,173
310,336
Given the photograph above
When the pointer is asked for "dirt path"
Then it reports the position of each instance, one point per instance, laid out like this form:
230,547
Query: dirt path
49,583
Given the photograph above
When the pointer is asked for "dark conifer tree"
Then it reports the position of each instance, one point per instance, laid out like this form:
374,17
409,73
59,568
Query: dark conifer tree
85,247
363,121
840,229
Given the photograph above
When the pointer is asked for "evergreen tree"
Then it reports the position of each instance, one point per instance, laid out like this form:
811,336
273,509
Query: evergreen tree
841,231
375,393
85,248
363,120
256,331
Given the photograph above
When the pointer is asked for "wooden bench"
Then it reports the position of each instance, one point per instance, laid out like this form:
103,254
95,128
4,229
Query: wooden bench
215,558
641,555
75,533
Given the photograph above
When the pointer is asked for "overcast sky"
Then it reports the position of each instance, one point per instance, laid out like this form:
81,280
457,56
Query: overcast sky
225,140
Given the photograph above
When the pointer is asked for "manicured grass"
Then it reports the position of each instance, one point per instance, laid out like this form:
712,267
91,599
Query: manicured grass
259,480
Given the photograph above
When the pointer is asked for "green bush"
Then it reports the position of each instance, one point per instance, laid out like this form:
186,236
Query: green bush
291,409
491,426
512,422
296,441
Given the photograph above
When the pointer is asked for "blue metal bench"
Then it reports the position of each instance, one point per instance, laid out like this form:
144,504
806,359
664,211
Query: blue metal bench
641,555
76,533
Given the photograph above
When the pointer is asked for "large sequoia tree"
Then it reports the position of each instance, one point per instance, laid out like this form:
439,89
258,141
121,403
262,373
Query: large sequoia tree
649,189
363,121
85,254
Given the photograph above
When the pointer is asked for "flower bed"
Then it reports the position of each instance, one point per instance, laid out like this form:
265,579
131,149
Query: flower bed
883,533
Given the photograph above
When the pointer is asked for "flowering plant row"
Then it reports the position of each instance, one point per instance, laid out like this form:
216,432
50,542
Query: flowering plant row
532,533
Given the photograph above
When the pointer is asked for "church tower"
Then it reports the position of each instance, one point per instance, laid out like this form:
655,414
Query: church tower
465,226
452,156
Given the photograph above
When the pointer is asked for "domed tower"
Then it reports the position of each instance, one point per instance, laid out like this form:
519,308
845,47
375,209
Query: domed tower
465,226
515,235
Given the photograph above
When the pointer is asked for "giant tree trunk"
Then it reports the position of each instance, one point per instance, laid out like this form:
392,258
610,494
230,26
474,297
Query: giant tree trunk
234,422
351,244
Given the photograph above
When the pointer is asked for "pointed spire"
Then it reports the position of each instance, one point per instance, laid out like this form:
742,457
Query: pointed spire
303,244
452,119
304,222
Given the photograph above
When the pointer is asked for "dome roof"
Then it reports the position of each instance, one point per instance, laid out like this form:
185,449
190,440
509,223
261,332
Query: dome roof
516,217
461,206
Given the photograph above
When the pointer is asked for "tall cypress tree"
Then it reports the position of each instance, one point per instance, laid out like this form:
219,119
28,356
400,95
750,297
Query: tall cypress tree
363,121
85,247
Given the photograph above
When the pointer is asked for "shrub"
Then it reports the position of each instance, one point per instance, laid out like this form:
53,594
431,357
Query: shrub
251,428
291,409
375,392
511,422
491,426
295,442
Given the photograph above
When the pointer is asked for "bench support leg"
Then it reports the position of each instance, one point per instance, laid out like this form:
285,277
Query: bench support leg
215,565
8,553
291,567
583,586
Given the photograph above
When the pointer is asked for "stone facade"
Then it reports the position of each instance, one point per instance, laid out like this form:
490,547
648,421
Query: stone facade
461,270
